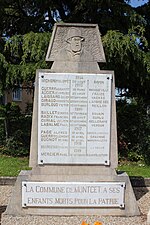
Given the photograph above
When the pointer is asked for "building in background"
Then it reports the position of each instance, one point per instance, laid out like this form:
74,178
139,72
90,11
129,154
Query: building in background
22,95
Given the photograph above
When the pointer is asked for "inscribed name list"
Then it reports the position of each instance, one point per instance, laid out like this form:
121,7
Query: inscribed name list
74,118
74,194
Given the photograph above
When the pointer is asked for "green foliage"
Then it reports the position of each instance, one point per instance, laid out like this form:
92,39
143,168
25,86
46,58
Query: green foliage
3,68
25,16
133,130
3,63
135,156
14,147
125,41
130,63
25,54
14,131
147,61
34,46
13,47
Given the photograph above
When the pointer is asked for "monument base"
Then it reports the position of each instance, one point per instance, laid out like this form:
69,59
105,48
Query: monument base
67,220
15,208
148,217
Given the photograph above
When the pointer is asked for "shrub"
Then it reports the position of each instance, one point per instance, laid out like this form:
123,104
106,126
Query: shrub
14,131
133,130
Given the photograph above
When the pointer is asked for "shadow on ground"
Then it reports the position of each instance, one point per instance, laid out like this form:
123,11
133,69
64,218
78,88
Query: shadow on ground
139,187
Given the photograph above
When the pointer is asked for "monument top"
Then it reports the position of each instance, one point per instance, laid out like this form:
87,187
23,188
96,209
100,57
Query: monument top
75,43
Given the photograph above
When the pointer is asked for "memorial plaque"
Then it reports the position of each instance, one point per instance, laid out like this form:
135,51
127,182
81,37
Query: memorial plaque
75,194
73,151
74,118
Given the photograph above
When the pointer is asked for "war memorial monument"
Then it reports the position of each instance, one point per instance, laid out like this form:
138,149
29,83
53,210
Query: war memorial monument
73,151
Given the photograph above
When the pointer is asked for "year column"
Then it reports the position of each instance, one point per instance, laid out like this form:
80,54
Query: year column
78,116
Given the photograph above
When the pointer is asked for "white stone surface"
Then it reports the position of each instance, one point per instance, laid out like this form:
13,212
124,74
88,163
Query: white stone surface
73,194
148,217
74,118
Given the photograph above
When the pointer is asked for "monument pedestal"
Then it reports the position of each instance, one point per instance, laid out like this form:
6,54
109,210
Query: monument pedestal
148,217
73,151
71,177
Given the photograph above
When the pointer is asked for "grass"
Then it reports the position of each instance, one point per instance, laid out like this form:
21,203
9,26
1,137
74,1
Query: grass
11,166
135,169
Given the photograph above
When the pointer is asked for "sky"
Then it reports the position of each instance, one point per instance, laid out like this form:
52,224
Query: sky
136,3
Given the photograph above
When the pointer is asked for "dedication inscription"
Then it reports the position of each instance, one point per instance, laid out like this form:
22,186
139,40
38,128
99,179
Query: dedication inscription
74,194
74,118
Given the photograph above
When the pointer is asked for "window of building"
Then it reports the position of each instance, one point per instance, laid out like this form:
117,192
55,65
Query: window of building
17,94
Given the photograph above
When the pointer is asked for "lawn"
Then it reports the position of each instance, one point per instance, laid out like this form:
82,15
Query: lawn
11,166
135,169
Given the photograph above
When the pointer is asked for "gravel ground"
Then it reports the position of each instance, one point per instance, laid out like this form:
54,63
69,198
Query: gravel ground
142,195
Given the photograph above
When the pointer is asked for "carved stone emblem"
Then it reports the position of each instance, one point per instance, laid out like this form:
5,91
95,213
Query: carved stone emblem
78,43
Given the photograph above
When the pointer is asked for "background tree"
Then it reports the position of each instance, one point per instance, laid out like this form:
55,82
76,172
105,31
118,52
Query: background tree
25,31
125,33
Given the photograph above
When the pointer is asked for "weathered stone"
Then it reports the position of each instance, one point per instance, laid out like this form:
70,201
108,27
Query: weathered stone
148,217
75,50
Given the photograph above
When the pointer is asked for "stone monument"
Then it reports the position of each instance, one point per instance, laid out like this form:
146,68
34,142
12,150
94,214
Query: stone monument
73,151
148,217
